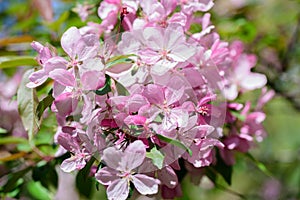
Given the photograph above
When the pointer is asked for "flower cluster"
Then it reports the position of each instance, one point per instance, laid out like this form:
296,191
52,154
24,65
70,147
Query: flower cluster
149,101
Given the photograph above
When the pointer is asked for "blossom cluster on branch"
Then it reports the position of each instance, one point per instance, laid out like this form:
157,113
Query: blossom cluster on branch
145,103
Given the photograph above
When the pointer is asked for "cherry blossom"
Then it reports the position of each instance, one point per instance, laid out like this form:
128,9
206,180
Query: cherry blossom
120,171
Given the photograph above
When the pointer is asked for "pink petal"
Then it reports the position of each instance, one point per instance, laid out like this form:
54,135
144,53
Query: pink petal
69,41
134,156
37,78
173,96
135,102
154,94
118,189
145,184
135,120
63,77
112,157
253,81
106,175
72,164
68,165
168,177
162,67
169,5
149,56
92,80
65,104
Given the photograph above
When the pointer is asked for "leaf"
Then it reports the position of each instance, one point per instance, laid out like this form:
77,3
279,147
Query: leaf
57,24
156,156
27,105
119,60
121,89
83,181
46,175
12,140
175,143
238,115
211,174
223,169
13,179
106,88
16,61
259,165
45,103
3,131
37,191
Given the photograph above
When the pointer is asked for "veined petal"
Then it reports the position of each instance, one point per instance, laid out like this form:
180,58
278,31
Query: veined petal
92,80
168,177
63,77
134,156
118,189
65,104
69,41
162,67
106,175
73,163
145,184
154,94
182,52
37,78
112,157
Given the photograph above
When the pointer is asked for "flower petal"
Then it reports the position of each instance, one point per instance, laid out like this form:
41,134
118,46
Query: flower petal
145,184
63,77
112,157
134,156
118,189
106,175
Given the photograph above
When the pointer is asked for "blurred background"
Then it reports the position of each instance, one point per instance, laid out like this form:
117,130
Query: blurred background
269,28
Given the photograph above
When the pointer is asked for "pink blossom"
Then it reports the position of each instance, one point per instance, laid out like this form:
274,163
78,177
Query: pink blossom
157,13
79,47
191,6
241,78
109,11
83,10
120,171
69,139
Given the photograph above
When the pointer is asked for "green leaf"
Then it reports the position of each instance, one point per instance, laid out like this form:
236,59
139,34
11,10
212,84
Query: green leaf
13,179
211,174
46,175
45,103
175,143
106,88
238,115
84,182
156,156
55,26
12,140
259,165
223,169
37,191
121,89
3,131
27,105
118,60
16,61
